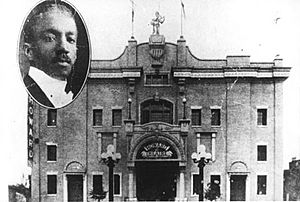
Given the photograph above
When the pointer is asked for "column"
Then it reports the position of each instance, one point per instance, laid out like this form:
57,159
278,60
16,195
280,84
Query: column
99,137
65,185
213,146
130,185
227,188
115,141
248,188
181,185
198,142
84,188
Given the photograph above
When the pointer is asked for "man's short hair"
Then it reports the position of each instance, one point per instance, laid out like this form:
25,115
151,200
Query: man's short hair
36,14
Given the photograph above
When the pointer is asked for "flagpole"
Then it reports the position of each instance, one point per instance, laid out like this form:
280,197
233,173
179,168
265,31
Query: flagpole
132,18
181,19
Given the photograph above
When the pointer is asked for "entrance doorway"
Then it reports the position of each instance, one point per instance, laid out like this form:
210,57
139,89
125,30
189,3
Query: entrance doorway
238,187
156,180
75,188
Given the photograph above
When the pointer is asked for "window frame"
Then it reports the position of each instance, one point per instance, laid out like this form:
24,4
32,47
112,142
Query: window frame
49,123
266,152
48,185
93,118
120,184
149,102
49,144
200,116
265,189
263,122
161,73
112,117
219,118
192,184
97,174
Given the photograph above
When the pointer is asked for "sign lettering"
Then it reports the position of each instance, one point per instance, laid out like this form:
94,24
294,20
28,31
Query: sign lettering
156,150
30,131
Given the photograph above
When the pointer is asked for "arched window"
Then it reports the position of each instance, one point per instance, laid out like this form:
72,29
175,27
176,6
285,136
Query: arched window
160,110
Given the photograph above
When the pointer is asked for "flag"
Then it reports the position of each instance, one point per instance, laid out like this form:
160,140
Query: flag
182,7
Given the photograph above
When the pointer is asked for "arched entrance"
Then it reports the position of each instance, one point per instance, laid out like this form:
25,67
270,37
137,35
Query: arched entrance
157,170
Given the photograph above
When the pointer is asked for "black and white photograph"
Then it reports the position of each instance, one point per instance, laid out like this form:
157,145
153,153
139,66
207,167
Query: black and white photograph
54,54
161,100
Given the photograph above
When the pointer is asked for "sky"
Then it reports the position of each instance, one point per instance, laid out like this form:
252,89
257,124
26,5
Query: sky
213,29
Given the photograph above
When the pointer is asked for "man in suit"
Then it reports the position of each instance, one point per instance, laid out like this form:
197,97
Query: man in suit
50,38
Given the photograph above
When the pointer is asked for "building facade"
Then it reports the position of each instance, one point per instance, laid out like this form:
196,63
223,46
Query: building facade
291,191
157,103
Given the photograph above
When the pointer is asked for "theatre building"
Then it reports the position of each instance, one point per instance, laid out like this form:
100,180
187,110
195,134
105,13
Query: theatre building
157,103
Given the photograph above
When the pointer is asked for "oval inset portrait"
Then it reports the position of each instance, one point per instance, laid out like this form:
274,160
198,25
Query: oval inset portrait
54,53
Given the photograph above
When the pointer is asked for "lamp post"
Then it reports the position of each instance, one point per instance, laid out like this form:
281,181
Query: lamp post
129,108
184,102
201,158
110,158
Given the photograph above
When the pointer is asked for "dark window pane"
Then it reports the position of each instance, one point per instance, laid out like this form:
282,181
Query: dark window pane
196,117
215,179
262,117
97,117
116,117
152,110
215,117
157,79
97,184
262,153
206,140
117,184
51,153
196,184
51,118
261,184
51,184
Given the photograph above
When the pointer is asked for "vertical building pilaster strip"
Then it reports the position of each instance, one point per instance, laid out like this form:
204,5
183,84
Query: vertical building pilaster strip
84,187
198,142
213,146
130,184
65,187
99,137
181,185
278,152
115,141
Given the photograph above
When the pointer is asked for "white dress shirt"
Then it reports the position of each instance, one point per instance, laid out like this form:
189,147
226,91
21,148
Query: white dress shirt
54,89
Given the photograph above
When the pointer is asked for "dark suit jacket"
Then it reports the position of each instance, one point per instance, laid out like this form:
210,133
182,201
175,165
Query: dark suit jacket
36,92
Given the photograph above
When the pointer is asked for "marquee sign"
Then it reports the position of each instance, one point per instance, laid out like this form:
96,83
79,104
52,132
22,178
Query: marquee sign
30,131
156,150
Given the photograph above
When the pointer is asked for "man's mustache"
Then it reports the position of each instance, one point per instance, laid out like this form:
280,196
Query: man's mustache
61,57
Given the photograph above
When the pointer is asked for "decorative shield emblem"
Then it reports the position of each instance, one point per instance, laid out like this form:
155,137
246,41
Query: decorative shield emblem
156,53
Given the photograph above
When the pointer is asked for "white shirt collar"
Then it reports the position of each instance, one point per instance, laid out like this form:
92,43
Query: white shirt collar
53,88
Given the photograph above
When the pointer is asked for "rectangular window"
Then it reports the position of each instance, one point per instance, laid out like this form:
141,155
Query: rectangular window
116,117
196,184
215,179
51,184
51,117
97,184
117,184
196,117
206,140
262,117
51,152
261,184
215,117
157,79
97,117
261,152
